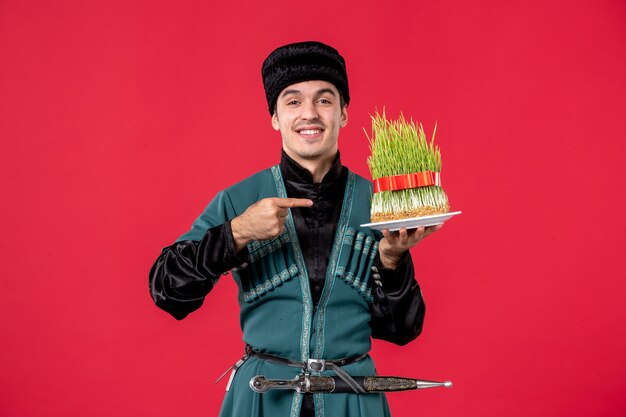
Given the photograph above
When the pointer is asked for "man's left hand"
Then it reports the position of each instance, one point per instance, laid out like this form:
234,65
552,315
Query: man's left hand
393,244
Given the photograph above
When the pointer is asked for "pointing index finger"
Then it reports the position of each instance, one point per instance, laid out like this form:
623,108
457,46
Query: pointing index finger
293,202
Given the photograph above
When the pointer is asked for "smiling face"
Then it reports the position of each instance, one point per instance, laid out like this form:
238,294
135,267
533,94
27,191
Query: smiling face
309,115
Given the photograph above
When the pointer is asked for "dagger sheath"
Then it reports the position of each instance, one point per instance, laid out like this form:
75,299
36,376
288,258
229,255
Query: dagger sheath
327,384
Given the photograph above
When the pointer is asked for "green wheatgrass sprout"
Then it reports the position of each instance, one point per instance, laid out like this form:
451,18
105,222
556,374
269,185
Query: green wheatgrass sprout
400,147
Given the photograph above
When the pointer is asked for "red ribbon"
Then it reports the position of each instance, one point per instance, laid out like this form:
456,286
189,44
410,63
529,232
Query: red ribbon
402,182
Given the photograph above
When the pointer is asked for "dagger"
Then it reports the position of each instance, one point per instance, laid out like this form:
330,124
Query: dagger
371,384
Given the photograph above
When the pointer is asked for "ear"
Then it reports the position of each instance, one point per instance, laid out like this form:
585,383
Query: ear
344,116
275,123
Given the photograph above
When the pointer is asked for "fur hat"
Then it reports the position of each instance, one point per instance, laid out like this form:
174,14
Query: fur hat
303,61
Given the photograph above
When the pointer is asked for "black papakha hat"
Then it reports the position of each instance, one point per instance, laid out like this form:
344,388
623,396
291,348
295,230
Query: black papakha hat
303,61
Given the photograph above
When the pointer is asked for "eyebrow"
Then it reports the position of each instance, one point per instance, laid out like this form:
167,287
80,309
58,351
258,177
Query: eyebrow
320,91
325,90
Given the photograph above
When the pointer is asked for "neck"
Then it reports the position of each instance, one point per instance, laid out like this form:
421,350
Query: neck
317,167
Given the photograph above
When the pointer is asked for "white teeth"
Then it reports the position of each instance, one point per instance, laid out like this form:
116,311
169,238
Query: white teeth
310,132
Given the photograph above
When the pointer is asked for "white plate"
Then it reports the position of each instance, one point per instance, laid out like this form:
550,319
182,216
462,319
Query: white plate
413,222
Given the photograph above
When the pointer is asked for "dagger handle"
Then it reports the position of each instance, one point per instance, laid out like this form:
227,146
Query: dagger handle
261,384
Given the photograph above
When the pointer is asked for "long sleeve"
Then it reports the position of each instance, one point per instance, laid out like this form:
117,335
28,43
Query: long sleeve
398,308
186,271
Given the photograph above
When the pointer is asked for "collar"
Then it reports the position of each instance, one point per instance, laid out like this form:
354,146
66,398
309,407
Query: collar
292,171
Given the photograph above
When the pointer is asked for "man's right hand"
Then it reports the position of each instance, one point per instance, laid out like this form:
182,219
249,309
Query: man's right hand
263,220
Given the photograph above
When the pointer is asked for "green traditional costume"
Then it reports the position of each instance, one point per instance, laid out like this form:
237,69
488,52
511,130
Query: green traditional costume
277,315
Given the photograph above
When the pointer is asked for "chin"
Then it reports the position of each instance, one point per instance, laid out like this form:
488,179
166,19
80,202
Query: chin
308,156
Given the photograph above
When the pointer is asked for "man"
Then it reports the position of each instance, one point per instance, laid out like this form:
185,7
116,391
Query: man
313,285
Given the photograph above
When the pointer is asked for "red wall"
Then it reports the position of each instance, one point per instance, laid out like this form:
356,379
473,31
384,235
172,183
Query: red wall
120,120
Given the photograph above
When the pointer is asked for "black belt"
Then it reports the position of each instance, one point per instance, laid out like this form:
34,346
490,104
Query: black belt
312,365
343,382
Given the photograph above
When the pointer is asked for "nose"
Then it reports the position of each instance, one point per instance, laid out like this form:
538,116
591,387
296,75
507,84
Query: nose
309,111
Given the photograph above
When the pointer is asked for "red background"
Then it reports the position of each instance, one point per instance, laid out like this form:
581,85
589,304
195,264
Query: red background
121,119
